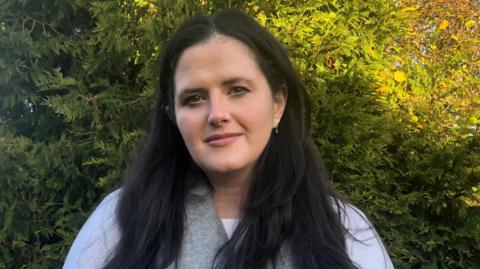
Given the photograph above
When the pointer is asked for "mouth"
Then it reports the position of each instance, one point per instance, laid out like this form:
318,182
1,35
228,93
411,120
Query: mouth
224,139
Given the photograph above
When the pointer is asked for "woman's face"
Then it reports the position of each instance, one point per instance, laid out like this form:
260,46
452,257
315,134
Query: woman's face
224,107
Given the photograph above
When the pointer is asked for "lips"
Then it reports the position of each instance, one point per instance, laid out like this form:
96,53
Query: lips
224,139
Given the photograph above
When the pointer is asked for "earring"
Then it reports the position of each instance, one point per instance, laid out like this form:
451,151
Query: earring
276,129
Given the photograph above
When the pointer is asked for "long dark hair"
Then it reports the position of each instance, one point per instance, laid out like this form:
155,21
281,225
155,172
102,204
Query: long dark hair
290,203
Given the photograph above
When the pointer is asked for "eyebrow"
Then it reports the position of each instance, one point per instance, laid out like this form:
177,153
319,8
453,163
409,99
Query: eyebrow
234,80
226,82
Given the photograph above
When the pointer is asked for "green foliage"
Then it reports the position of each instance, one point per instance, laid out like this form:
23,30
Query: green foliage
416,177
77,80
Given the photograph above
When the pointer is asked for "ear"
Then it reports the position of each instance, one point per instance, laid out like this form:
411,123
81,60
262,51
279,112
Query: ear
279,103
171,114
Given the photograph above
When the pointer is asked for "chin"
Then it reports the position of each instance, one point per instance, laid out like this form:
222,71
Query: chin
224,169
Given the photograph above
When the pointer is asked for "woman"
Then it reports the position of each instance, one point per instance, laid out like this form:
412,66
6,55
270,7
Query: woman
229,177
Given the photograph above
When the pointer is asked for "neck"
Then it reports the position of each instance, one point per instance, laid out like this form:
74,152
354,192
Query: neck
229,194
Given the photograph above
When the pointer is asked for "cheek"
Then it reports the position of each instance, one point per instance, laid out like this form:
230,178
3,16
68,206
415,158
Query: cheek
260,115
189,128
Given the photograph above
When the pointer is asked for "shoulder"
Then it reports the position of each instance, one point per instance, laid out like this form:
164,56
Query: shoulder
364,246
97,237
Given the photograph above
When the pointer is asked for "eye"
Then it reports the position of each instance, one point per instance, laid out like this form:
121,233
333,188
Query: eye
193,100
237,90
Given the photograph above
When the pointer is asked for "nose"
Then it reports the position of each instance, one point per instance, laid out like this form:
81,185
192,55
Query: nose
219,111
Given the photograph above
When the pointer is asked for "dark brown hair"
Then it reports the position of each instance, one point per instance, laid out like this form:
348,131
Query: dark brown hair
290,203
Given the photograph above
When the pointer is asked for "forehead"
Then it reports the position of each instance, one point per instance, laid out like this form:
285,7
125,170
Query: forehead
218,58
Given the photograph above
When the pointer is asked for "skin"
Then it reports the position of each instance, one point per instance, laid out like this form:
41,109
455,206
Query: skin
225,111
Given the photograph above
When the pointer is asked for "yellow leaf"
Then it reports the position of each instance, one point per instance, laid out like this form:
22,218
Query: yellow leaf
470,23
399,76
433,46
141,3
368,50
383,74
152,9
414,118
443,25
383,89
262,18
408,9
454,37
472,120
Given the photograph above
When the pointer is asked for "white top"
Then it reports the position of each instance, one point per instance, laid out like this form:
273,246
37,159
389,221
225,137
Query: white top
229,225
100,234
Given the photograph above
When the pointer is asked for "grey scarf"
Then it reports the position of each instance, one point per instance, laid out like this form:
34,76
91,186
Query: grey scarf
204,234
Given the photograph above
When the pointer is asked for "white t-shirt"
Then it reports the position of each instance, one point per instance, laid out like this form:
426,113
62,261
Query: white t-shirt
229,225
100,234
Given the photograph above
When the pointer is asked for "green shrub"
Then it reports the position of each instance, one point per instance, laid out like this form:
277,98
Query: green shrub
77,80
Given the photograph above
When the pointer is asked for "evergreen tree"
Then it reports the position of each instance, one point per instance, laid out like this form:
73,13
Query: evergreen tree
395,105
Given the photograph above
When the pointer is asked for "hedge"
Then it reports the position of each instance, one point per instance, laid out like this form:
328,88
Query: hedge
395,108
